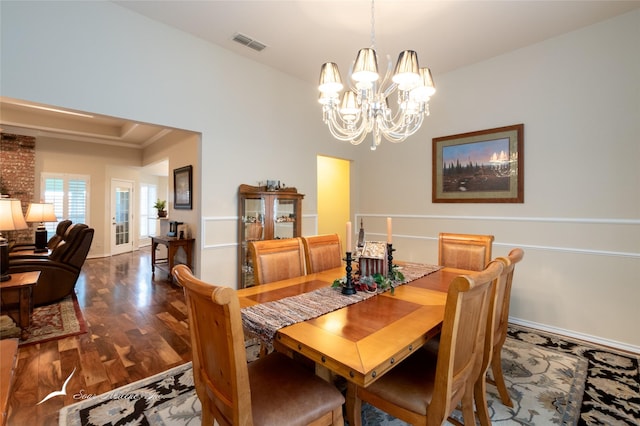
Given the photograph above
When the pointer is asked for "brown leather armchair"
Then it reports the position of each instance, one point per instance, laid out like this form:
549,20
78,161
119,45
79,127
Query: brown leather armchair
60,270
58,237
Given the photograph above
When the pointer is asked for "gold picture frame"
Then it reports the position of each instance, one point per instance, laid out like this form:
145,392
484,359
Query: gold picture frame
485,166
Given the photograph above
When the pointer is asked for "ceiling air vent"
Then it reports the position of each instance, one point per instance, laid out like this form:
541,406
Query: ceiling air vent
249,42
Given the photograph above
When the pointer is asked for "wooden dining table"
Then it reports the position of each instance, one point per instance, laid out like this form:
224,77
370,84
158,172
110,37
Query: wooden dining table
364,340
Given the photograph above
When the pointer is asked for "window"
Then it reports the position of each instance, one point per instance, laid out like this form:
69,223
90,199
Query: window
148,196
69,195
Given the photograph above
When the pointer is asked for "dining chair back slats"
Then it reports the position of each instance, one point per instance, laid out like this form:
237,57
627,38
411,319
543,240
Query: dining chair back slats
275,260
495,336
502,323
462,340
273,390
322,252
480,388
219,369
464,251
426,387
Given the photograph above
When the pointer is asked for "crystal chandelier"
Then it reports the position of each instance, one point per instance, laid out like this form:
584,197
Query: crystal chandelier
364,108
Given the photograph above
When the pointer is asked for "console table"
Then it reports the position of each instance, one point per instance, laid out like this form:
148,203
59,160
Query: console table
173,244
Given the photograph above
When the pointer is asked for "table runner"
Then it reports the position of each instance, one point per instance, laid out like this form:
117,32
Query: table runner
265,319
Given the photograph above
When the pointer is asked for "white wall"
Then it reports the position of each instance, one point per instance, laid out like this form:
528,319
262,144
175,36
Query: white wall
577,96
101,163
68,54
104,163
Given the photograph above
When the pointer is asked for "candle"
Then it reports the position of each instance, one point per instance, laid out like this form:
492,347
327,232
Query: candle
388,230
348,236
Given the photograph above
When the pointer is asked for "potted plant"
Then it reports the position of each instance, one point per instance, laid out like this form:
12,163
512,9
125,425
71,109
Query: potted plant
161,205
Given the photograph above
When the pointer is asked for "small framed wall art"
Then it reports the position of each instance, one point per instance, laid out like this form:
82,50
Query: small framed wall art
182,187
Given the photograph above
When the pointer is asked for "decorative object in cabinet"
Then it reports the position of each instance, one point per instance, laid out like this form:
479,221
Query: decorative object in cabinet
265,214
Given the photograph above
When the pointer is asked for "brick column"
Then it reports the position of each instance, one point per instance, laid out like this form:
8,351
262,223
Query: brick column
17,176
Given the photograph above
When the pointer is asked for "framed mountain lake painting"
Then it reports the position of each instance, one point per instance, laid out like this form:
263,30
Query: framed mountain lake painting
485,166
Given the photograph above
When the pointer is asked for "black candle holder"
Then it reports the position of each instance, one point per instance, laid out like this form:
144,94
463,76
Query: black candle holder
348,287
390,251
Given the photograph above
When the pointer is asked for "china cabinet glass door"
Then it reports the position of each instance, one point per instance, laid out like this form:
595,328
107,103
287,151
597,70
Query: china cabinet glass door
284,218
253,222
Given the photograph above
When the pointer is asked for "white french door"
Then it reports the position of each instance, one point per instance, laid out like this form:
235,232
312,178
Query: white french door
121,216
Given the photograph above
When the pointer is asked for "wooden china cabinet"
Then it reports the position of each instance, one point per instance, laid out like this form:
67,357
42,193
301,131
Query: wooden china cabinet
265,215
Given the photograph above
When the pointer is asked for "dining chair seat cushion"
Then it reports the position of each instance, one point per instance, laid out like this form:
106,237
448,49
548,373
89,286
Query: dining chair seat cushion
410,383
286,393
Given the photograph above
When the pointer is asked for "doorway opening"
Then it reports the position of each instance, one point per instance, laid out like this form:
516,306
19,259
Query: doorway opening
334,195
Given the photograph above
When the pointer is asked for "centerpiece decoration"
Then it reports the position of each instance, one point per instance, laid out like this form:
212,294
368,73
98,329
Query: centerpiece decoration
373,283
376,271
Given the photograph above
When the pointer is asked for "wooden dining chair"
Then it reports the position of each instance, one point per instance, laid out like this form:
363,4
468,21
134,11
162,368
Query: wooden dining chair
503,299
275,260
322,252
495,309
273,390
425,388
464,251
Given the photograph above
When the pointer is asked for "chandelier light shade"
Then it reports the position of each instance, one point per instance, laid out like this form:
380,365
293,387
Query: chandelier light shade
11,219
365,108
365,69
407,73
330,80
41,212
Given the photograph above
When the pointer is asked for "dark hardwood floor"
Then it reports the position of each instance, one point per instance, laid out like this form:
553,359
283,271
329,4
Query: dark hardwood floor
137,327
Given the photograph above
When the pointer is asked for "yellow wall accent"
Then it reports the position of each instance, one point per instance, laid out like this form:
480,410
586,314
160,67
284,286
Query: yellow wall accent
333,196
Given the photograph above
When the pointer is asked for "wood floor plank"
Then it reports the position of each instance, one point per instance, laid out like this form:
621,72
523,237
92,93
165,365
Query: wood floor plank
69,360
137,327
116,372
92,368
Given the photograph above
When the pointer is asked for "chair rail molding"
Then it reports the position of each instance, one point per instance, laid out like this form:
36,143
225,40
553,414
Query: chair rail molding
551,221
215,230
609,221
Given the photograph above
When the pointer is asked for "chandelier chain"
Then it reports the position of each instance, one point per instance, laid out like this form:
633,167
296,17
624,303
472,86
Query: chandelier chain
373,25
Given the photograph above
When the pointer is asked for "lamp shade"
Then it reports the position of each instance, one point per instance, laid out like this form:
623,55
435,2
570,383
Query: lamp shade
11,218
426,88
330,80
366,66
407,73
349,106
41,212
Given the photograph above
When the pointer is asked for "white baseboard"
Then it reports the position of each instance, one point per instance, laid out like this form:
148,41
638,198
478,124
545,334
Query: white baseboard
577,335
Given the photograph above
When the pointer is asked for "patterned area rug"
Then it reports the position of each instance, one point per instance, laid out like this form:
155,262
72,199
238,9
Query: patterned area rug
552,380
50,322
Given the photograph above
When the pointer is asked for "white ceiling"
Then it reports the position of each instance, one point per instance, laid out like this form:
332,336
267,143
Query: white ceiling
38,120
301,35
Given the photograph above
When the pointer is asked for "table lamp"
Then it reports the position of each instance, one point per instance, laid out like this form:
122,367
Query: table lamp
11,219
41,212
